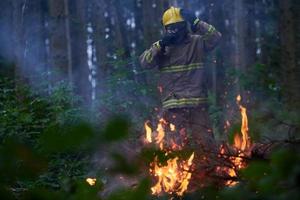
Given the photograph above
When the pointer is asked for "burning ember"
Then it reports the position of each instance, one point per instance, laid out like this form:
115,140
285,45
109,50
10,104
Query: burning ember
91,181
174,176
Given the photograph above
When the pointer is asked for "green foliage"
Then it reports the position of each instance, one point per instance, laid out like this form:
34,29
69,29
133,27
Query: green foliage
39,144
127,90
140,192
116,129
67,138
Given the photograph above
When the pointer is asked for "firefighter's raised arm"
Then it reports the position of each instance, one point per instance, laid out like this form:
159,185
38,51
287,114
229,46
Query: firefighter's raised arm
210,35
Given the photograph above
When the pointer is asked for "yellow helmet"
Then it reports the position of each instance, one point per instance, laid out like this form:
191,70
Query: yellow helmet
171,16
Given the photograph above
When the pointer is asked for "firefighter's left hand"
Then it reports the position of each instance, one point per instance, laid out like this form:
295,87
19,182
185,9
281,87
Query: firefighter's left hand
166,40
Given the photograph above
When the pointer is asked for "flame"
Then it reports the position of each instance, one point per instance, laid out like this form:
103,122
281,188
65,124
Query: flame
148,132
91,181
174,176
238,141
160,133
241,144
238,98
172,127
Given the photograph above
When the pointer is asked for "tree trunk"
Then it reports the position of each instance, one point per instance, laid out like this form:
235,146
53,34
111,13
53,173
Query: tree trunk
18,38
290,75
186,4
120,29
240,35
34,38
59,52
102,38
147,16
81,71
6,38
296,11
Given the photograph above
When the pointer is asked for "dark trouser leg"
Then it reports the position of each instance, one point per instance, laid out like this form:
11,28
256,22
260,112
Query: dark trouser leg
201,129
194,125
179,117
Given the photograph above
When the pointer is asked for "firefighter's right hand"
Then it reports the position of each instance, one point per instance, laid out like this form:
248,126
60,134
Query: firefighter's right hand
166,40
190,17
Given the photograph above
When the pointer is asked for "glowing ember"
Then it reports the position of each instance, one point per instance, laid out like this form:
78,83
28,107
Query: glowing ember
172,127
148,132
174,176
91,181
227,123
238,98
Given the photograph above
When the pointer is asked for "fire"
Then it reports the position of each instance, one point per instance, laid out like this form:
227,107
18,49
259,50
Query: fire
241,144
160,133
172,127
174,176
91,181
238,98
148,132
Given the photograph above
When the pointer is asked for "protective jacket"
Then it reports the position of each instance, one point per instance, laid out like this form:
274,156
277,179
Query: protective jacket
182,80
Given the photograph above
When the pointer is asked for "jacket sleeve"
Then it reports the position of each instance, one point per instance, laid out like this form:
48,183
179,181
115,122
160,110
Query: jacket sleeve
150,57
210,35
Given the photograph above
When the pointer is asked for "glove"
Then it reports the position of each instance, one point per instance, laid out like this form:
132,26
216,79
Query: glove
167,40
190,17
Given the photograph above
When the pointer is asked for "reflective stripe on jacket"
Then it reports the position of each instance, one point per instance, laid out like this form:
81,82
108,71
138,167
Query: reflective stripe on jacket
183,82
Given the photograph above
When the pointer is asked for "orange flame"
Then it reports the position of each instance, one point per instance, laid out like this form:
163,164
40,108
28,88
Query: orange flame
172,178
241,144
160,133
148,132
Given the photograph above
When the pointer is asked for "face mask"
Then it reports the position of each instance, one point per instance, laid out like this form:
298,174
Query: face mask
178,31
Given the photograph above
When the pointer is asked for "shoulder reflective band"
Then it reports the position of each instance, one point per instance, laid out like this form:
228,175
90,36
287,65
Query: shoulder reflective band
148,56
173,103
180,68
196,22
209,32
157,45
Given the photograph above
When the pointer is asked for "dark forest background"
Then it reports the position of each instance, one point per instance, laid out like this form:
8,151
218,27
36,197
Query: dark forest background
69,69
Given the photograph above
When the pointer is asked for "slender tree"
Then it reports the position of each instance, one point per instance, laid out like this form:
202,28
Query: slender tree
78,15
18,36
59,52
6,36
290,80
34,40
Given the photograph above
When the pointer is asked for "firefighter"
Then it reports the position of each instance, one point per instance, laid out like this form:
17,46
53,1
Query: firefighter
179,56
